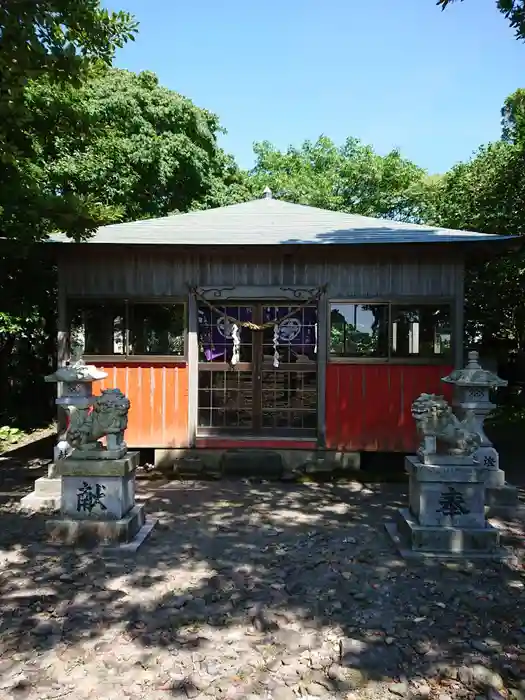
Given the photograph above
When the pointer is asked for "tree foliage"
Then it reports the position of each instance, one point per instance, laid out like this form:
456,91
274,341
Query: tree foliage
114,146
513,10
58,41
27,336
513,118
351,177
228,184
487,194
146,151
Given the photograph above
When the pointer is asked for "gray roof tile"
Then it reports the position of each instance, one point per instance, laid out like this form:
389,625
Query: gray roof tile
273,222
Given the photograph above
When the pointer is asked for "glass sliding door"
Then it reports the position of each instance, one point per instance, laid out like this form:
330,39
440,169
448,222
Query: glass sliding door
272,388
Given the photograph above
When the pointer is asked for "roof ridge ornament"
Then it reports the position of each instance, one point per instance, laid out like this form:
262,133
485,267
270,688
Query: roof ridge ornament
267,193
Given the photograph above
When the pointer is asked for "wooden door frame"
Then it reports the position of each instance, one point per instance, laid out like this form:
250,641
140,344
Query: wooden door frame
264,297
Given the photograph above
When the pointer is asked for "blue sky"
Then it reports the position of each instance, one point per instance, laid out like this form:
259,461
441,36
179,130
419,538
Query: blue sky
394,73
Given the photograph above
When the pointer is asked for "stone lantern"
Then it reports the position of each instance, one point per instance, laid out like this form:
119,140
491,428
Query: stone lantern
472,403
76,390
76,381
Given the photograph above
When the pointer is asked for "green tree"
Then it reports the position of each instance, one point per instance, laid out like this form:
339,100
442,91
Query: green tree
146,150
228,184
513,118
488,194
58,41
27,336
351,177
124,148
513,10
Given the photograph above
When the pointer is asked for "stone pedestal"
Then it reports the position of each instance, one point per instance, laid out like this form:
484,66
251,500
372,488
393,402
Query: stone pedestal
446,514
488,459
98,504
501,498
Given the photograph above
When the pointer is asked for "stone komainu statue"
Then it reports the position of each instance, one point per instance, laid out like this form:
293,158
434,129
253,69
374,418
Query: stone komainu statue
441,431
107,417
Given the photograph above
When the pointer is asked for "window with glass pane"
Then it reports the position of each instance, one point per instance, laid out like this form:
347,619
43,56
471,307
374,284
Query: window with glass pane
359,330
97,328
421,330
156,329
297,334
216,333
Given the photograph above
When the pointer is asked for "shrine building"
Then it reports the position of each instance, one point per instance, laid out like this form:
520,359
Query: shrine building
268,326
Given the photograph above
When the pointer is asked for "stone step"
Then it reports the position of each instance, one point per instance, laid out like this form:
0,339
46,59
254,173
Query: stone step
48,487
34,503
46,495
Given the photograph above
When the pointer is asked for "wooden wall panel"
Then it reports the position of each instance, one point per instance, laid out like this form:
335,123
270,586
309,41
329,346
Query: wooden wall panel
158,416
167,271
368,406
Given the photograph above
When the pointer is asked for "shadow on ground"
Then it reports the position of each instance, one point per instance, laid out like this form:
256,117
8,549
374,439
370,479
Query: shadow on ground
246,587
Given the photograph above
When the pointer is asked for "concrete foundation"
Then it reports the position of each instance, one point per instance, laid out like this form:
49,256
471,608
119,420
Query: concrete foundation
265,463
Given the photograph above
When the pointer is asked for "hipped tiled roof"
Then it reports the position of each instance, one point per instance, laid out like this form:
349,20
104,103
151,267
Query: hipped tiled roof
273,222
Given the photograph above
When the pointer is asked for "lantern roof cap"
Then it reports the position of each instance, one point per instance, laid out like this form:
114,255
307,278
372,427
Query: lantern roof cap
474,375
77,371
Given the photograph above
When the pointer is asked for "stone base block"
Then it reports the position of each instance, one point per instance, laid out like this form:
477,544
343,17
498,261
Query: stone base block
104,467
97,498
446,496
444,460
128,533
414,540
457,505
99,454
502,501
506,495
46,495
93,490
494,478
455,540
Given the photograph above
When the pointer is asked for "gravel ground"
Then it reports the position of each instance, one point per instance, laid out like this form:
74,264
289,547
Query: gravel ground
249,590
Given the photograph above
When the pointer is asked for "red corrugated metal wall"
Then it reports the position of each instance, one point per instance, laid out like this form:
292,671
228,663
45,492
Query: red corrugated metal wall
368,406
158,416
